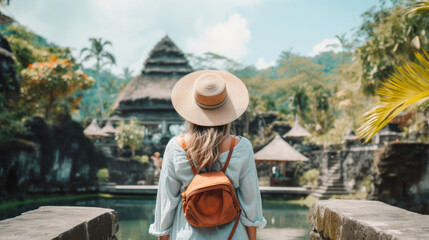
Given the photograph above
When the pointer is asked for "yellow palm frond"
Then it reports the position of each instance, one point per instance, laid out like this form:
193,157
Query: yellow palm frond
406,88
419,8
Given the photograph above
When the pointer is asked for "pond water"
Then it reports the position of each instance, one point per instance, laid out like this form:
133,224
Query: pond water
285,221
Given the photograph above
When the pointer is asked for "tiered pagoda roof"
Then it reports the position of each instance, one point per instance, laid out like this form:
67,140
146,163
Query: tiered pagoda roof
166,58
278,150
150,91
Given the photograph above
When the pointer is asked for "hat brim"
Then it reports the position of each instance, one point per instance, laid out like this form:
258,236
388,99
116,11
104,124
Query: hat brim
184,102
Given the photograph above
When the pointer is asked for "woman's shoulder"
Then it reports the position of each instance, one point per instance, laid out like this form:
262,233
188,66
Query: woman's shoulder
244,143
172,146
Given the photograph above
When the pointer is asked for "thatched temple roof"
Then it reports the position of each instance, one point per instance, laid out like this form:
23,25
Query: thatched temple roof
108,128
150,91
94,131
350,135
297,131
278,150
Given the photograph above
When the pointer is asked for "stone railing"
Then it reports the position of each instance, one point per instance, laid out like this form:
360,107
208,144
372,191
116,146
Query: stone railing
359,219
62,223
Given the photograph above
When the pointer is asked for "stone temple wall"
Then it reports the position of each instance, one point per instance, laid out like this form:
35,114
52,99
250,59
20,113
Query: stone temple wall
357,164
402,176
397,174
49,158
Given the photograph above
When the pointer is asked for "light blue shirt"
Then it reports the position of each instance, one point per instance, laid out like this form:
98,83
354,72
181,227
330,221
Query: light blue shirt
176,175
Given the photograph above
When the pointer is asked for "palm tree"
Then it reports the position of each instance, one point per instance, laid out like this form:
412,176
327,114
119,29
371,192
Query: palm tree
405,89
408,87
111,86
102,58
127,74
299,101
419,8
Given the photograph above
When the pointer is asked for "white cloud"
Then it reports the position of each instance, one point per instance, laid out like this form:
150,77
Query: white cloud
261,64
227,38
329,44
135,26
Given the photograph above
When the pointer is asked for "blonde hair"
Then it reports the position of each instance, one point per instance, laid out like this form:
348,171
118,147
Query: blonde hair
203,143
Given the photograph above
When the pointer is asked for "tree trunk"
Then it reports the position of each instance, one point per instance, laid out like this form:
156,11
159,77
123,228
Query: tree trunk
98,90
133,151
49,107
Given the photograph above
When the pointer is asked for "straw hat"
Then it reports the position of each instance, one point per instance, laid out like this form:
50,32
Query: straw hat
210,97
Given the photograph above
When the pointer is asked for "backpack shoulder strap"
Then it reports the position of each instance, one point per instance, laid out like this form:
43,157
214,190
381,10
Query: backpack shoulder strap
187,155
231,149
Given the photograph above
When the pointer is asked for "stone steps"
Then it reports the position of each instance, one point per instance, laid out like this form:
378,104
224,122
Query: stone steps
333,183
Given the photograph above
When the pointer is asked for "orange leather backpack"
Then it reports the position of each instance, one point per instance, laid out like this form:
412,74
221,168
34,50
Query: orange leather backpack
210,198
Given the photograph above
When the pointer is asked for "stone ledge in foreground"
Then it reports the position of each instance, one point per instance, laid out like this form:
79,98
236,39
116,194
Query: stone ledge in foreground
361,219
61,223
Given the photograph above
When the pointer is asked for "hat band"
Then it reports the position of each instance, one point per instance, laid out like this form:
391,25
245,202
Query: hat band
211,107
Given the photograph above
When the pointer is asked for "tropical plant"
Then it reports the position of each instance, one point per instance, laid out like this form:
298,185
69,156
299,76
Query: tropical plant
320,107
391,37
102,174
127,74
111,87
406,88
130,134
310,177
102,58
142,158
300,101
210,60
419,8
50,87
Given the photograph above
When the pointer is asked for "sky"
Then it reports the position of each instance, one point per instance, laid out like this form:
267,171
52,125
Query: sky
252,32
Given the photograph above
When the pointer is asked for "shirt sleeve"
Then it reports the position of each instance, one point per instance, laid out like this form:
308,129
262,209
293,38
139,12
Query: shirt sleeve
168,197
250,196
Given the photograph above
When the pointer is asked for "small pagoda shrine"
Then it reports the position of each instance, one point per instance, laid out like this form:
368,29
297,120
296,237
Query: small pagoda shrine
147,96
350,138
297,133
93,131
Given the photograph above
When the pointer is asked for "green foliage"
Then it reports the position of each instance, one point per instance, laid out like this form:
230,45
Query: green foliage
310,177
102,174
130,134
110,88
11,121
408,87
212,61
29,47
391,36
49,87
330,61
300,101
333,135
419,8
102,58
142,158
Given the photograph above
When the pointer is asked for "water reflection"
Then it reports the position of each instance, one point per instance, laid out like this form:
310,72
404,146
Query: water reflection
285,221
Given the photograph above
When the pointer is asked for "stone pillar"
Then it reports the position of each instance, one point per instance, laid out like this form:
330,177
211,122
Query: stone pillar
164,128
